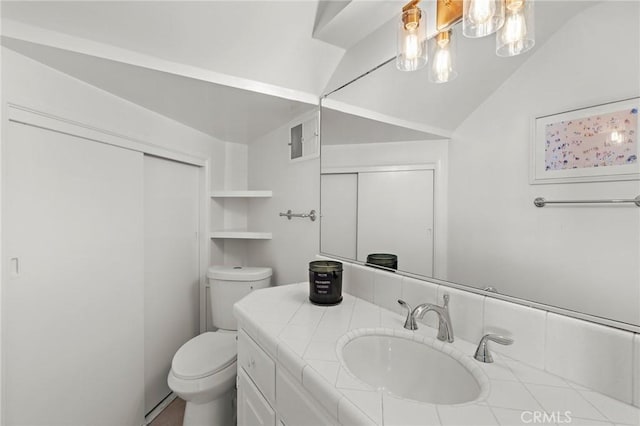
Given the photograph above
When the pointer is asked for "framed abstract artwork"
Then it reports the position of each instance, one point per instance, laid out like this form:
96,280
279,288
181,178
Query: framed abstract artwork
598,143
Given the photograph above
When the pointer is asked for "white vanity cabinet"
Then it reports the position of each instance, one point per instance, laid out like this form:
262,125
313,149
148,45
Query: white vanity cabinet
253,408
256,384
296,406
269,395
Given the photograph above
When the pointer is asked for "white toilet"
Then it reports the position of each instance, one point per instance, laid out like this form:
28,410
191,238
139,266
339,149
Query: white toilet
203,370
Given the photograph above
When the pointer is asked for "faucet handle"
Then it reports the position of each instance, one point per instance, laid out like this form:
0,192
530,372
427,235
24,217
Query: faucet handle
482,352
498,339
410,322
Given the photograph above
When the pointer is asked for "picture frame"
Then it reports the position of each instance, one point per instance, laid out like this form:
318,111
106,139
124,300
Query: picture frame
592,144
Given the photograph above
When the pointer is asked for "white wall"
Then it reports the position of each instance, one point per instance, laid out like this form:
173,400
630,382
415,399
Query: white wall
385,154
497,236
235,210
295,186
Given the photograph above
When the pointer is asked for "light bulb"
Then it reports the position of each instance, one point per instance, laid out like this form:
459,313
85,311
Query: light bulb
516,35
412,46
412,41
514,32
442,68
480,11
441,65
482,17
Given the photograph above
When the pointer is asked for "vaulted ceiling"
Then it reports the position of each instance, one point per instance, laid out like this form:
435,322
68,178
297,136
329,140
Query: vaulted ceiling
238,69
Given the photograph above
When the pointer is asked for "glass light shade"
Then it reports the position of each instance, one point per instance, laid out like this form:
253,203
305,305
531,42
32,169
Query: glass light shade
442,51
517,35
482,17
412,41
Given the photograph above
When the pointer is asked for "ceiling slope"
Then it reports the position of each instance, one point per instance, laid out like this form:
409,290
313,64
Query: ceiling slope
267,41
224,112
344,24
340,128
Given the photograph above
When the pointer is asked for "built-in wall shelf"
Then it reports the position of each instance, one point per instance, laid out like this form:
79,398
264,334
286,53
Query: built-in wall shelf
241,194
241,235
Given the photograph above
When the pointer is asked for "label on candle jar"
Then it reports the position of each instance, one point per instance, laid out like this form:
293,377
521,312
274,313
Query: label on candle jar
322,283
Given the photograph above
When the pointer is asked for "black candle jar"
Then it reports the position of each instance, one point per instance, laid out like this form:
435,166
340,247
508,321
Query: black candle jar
385,260
325,282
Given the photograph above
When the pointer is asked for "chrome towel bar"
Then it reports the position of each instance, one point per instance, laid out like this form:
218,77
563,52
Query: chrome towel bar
311,215
541,202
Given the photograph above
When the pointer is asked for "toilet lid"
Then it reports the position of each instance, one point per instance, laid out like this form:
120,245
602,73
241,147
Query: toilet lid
205,355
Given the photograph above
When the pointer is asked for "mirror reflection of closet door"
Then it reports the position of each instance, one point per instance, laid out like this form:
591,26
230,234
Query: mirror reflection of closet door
339,195
395,215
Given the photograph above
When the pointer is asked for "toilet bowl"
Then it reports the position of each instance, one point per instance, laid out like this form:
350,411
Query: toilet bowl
203,373
203,370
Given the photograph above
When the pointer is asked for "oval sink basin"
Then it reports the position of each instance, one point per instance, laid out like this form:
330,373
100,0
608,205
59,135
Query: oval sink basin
411,368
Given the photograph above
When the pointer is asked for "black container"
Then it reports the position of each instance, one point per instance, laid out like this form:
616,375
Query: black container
384,260
325,282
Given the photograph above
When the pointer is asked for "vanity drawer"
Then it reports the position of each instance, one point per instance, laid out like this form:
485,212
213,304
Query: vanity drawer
258,365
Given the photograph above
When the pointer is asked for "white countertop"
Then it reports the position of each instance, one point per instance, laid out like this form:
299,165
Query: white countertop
302,337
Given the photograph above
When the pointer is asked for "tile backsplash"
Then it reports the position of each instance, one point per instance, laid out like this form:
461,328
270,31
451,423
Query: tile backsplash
592,355
595,356
526,326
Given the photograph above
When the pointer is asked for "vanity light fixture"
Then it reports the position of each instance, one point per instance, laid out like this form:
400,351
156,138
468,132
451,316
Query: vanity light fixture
512,20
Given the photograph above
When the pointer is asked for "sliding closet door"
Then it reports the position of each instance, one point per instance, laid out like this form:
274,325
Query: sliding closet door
339,220
395,215
171,309
72,280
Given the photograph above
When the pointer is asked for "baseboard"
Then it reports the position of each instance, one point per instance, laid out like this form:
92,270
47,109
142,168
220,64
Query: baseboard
158,409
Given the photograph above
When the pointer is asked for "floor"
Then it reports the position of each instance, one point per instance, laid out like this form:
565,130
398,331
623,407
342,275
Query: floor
172,415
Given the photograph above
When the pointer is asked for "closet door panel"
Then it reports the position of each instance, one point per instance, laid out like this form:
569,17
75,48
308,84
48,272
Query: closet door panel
339,198
395,215
171,307
73,280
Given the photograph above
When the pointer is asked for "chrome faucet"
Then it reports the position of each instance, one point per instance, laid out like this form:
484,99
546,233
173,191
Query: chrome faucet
445,329
482,352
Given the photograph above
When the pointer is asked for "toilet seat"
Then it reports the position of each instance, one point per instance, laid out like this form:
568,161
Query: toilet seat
204,355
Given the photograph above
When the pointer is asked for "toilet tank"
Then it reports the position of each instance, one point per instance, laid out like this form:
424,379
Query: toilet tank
229,284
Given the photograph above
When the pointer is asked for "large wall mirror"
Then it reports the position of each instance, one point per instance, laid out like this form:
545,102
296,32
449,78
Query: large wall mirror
439,175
